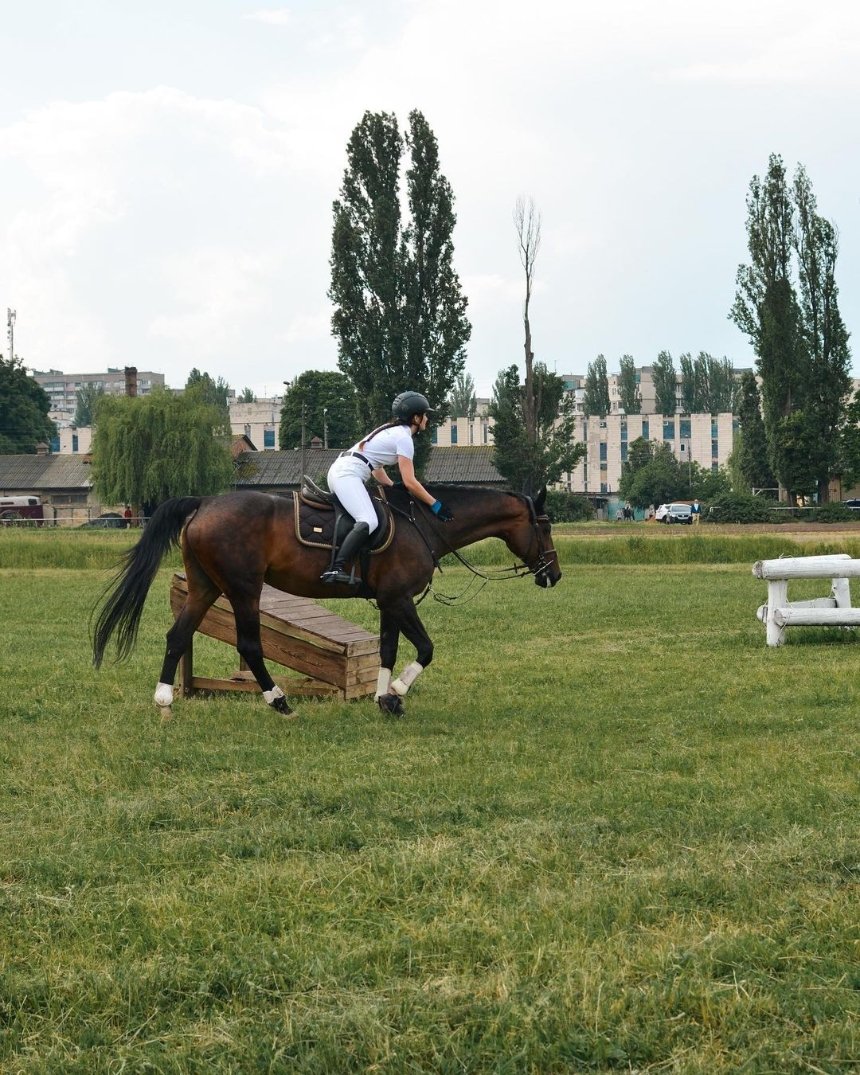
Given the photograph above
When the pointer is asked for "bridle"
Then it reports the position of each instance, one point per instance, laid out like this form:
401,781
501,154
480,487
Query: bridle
544,561
515,571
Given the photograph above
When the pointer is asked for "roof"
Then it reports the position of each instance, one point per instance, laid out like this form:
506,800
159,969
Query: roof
272,470
45,472
471,465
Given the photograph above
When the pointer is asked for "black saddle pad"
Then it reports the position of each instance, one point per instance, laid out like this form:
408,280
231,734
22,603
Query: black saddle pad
315,522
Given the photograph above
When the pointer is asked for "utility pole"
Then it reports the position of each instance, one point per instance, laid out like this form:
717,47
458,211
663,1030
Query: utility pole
303,444
325,428
10,331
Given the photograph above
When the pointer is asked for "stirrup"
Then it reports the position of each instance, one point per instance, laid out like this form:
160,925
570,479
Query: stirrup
336,575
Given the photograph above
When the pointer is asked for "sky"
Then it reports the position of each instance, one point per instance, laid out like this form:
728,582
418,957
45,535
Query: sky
167,170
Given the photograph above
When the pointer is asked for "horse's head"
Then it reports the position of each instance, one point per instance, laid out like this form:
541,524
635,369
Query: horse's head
532,541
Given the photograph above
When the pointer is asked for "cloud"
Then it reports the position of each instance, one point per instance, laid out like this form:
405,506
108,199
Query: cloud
219,289
271,16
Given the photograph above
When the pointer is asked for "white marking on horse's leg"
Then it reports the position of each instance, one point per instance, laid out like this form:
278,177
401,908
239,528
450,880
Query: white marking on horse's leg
382,683
164,695
274,693
406,678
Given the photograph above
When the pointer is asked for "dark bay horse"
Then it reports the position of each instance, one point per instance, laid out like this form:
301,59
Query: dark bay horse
232,544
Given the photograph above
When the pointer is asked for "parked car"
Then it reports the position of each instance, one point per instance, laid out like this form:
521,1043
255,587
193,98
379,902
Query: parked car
678,513
110,520
660,513
854,505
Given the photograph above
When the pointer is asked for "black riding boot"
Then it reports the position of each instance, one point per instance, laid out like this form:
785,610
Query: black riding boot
351,546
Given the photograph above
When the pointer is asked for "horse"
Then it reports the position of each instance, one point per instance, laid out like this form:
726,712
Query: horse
233,543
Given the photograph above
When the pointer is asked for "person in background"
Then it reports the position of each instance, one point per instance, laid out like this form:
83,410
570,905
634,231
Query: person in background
696,510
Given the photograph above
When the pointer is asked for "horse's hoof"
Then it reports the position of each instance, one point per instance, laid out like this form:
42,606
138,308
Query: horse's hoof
391,704
280,706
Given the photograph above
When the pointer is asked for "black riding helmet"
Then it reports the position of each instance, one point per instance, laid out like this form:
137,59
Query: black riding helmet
409,403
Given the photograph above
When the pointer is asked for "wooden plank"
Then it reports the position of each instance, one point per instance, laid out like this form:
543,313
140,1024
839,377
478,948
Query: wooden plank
342,663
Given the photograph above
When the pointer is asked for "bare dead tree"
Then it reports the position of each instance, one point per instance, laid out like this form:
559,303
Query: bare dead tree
527,224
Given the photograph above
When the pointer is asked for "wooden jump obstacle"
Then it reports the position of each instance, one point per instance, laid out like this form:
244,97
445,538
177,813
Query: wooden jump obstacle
833,611
336,658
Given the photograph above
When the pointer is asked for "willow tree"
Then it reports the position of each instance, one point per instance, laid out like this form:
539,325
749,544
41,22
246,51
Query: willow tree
400,312
149,448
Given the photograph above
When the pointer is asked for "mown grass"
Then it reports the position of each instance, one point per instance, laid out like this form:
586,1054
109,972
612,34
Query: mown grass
613,832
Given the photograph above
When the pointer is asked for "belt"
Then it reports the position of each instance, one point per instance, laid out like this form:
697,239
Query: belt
358,455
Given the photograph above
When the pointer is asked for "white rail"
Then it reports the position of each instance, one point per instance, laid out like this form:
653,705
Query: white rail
833,611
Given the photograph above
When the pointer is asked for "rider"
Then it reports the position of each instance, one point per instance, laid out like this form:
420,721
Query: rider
388,444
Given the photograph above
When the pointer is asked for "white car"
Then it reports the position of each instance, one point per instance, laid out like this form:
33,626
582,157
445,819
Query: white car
661,512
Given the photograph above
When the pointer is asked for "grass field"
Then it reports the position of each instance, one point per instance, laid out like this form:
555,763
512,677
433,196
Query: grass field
614,832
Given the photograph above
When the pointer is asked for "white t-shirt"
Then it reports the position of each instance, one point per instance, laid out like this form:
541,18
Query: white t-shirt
385,447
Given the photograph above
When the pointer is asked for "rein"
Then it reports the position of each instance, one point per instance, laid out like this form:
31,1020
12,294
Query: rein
515,571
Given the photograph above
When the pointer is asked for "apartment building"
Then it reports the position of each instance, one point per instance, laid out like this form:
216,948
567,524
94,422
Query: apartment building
62,388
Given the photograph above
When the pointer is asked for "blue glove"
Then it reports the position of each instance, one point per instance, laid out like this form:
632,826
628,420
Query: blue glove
439,509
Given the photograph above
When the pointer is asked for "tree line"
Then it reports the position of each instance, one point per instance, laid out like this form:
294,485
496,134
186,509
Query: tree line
400,320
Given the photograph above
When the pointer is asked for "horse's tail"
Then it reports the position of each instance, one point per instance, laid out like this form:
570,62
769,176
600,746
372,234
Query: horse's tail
123,601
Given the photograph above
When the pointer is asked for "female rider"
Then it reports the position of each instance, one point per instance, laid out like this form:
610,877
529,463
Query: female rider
386,445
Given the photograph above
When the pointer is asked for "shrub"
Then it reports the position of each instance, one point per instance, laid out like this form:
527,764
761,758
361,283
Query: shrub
738,508
833,513
565,507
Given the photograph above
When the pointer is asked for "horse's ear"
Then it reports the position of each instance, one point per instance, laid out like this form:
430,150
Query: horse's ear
540,500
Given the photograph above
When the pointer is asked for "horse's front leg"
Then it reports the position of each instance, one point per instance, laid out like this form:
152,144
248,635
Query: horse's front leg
250,649
400,618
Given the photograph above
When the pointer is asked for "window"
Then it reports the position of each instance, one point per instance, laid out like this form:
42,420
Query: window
715,432
623,431
668,429
646,429
433,434
624,452
74,442
453,432
55,444
715,448
603,451
685,428
268,438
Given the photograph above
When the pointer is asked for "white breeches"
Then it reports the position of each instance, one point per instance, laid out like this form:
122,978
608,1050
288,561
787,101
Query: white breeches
346,478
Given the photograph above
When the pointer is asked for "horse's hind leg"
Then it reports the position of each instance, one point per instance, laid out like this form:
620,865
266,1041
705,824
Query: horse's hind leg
202,593
250,648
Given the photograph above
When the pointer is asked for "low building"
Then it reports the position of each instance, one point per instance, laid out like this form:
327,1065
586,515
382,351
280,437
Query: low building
258,421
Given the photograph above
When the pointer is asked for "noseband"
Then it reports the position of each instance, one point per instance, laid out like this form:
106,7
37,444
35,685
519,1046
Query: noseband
543,561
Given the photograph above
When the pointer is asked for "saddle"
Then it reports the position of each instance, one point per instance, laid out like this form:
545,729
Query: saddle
322,522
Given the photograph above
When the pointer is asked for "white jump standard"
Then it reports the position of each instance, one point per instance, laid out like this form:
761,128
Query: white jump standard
833,611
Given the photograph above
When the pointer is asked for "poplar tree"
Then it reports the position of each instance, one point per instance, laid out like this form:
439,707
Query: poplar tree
663,375
628,386
825,338
464,403
596,400
400,313
791,316
752,458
